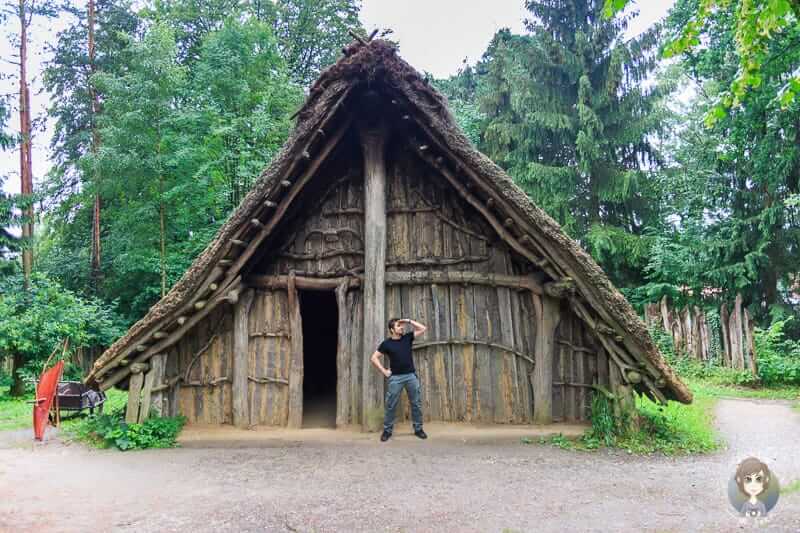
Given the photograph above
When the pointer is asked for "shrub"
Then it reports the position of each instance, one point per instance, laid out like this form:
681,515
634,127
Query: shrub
778,357
108,430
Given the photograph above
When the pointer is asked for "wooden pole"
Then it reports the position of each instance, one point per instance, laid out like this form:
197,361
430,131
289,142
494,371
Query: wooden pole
241,360
546,311
373,139
134,393
296,364
342,358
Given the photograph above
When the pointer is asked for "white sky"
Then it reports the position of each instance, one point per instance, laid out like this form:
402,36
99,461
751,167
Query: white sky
434,36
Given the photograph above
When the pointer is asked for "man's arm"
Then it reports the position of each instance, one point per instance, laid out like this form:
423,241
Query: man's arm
376,361
419,329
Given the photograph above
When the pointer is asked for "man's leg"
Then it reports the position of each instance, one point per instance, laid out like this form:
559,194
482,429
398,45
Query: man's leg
393,390
415,398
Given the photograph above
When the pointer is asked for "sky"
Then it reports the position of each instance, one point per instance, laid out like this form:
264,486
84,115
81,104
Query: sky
435,36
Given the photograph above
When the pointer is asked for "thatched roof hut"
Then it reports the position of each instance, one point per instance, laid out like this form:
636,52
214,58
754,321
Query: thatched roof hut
379,206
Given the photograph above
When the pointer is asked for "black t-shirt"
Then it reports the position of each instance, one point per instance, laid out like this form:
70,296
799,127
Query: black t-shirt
399,352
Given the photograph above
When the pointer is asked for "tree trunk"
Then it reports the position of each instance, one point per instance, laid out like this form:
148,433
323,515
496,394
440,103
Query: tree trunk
25,165
95,110
17,385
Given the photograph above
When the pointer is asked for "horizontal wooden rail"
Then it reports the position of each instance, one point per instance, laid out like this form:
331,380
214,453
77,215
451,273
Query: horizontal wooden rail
471,341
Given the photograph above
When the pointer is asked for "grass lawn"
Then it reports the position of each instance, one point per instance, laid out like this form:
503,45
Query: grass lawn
16,413
717,390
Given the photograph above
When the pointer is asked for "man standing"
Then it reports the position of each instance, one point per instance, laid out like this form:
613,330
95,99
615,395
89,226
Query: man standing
401,374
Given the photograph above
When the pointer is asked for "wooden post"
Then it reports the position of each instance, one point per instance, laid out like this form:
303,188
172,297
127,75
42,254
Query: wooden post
241,360
151,379
134,393
373,139
342,359
547,318
726,344
158,364
296,363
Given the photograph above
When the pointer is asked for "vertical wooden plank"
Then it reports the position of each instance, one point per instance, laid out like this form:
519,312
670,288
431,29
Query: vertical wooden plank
158,365
510,396
241,363
134,393
547,318
296,366
342,366
357,388
283,361
147,391
484,407
443,355
258,356
520,365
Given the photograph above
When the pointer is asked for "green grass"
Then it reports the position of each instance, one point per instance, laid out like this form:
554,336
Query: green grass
718,390
791,488
672,429
16,413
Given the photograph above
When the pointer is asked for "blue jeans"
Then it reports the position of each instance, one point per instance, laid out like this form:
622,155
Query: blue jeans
395,386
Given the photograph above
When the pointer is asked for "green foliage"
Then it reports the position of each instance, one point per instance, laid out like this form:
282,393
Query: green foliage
567,117
674,428
766,33
38,320
111,430
778,357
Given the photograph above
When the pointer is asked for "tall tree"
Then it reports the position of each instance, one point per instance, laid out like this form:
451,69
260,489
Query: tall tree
311,32
24,11
743,169
139,110
569,118
242,116
73,192
755,25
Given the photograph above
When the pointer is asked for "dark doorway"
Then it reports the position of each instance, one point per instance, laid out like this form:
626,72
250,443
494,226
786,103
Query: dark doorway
320,325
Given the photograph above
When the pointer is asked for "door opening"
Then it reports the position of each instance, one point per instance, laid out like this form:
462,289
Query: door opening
320,327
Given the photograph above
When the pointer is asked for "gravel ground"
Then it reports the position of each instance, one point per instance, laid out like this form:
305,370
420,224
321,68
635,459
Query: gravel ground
360,484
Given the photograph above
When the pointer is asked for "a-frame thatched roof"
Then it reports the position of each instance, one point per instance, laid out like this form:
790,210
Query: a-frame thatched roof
215,275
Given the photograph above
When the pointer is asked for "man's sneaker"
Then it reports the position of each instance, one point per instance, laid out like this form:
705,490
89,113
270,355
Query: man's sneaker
421,434
385,436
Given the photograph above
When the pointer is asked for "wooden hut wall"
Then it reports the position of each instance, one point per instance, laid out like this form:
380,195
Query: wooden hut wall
474,360
198,368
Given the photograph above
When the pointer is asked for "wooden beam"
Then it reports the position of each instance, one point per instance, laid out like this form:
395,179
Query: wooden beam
546,311
373,141
296,359
401,278
241,360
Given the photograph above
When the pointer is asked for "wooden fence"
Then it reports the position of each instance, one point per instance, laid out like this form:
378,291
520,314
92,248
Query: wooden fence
732,341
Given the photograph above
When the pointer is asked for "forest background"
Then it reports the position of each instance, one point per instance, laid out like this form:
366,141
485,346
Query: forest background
673,156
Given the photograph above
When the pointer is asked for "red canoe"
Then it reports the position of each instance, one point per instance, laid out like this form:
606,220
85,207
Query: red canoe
45,392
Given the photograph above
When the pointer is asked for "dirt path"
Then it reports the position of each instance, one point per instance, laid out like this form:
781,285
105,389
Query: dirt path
360,484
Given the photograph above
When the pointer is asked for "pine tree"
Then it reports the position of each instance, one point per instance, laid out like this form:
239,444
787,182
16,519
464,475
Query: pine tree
569,118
